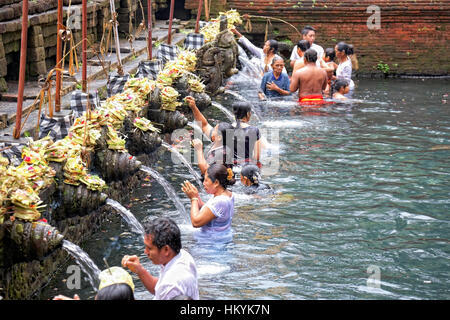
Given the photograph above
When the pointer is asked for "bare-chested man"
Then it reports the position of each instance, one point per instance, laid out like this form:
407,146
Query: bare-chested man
309,80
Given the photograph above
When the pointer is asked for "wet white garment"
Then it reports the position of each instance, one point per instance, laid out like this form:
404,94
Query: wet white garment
178,277
344,71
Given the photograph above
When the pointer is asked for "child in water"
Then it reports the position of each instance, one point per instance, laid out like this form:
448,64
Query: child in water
250,177
330,66
341,87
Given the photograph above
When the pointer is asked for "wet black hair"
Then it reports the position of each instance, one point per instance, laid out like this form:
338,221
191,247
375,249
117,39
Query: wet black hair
240,109
311,55
329,52
347,48
273,46
117,291
340,83
303,45
251,172
218,172
164,231
307,29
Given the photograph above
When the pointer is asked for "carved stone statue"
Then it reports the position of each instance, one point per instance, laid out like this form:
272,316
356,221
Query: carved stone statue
216,60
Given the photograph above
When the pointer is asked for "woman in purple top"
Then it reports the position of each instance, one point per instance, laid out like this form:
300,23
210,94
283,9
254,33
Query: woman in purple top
216,214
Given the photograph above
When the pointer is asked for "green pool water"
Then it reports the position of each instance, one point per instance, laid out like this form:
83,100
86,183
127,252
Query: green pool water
361,209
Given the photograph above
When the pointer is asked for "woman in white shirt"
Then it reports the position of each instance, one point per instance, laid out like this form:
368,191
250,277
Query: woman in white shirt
344,69
216,214
264,55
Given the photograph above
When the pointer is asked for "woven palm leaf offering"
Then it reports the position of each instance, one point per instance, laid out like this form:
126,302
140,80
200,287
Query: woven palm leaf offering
187,60
93,182
196,85
74,169
145,125
169,98
141,86
129,100
114,141
26,204
211,30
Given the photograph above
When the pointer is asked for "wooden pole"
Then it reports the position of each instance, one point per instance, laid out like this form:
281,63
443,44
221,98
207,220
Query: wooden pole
23,61
169,37
206,10
199,13
58,57
84,46
116,37
150,28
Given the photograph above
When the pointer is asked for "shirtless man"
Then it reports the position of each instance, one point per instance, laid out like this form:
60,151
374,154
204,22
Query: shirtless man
309,80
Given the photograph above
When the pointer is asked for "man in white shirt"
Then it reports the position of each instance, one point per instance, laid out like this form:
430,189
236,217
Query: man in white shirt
309,34
178,276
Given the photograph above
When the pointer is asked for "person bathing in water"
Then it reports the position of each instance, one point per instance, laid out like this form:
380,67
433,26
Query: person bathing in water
217,213
221,151
251,179
274,83
302,46
247,138
310,80
341,87
265,55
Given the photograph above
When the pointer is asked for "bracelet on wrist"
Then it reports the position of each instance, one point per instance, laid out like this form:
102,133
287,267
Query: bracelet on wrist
194,199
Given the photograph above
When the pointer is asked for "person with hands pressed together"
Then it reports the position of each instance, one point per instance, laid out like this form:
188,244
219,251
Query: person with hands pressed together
274,83
178,274
216,214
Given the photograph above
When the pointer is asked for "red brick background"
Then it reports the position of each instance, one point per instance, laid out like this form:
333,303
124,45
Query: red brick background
414,36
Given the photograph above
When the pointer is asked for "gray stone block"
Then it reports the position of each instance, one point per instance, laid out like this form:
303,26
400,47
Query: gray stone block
36,54
37,68
3,67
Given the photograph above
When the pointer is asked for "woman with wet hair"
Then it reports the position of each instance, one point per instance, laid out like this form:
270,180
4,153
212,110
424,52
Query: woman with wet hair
344,69
251,179
216,214
340,88
247,138
265,55
221,149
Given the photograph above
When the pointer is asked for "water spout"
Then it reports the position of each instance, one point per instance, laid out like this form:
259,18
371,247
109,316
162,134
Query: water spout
127,216
240,97
169,190
227,112
179,156
84,261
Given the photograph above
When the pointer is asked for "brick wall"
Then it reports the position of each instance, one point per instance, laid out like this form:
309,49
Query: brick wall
413,38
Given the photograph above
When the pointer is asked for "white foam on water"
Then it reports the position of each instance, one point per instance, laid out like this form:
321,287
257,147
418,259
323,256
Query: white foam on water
285,124
211,268
415,216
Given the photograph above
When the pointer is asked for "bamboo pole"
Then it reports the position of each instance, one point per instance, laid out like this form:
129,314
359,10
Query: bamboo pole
116,37
150,28
58,57
169,37
199,13
206,10
84,46
23,61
